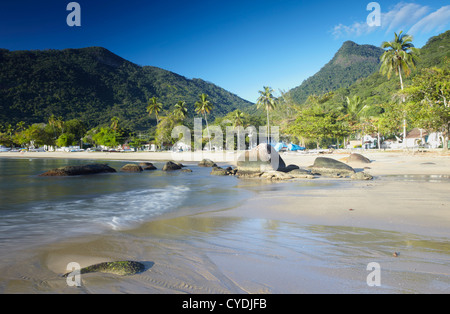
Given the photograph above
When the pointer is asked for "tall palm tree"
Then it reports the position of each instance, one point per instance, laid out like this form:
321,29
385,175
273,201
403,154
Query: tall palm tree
268,102
154,107
204,106
181,110
114,123
400,57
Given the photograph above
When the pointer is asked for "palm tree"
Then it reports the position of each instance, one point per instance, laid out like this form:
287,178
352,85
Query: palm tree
154,106
399,57
114,123
267,101
204,106
181,110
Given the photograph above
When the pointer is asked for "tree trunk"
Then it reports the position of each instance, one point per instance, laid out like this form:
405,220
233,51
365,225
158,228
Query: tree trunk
403,100
209,136
268,128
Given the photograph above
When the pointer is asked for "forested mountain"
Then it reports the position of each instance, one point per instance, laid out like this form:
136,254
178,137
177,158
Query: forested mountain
376,89
93,84
350,63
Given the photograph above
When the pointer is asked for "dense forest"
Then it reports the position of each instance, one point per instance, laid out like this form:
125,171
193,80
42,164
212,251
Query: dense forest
94,85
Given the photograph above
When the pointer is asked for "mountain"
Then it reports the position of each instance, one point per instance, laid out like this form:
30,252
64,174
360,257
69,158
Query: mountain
351,63
93,84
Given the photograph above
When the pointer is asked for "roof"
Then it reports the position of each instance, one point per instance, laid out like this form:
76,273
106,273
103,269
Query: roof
415,133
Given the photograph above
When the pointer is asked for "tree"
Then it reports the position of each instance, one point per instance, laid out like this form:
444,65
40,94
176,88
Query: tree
267,101
204,106
181,110
400,57
428,101
154,107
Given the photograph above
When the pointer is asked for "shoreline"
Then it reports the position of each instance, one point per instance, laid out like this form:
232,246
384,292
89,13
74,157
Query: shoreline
302,236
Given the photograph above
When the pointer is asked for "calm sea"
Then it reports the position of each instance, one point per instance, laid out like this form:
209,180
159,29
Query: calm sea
36,209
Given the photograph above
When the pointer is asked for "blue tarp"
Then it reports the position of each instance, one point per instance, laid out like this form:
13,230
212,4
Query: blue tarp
280,146
293,147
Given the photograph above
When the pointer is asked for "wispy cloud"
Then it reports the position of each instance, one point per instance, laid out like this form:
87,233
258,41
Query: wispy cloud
403,16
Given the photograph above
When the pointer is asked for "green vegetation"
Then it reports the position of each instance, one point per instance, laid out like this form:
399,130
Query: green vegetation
94,85
373,104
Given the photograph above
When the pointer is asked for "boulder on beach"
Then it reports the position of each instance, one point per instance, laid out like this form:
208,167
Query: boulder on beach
131,168
358,158
171,166
262,158
207,163
331,167
147,166
79,170
276,175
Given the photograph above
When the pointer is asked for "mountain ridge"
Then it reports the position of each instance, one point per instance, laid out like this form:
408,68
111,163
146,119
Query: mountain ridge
94,84
350,63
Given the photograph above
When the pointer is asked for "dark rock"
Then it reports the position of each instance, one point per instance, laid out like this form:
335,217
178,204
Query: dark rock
79,170
331,167
131,168
262,158
186,170
147,166
358,158
207,163
171,166
290,168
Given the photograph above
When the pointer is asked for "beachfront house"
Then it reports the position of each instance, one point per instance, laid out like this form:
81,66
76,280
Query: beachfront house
422,138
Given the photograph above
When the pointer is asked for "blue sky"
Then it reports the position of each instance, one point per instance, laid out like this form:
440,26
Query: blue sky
238,45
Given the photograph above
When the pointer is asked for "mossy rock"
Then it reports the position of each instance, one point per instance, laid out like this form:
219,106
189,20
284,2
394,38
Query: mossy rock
131,168
123,268
207,163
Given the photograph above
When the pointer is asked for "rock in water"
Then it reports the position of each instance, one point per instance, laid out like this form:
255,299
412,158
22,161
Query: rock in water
207,163
331,167
79,170
131,168
263,158
171,166
358,158
125,268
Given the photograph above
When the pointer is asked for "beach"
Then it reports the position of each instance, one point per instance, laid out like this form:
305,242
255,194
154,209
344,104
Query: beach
302,236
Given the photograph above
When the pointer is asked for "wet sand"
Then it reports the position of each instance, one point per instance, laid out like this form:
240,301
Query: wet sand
307,236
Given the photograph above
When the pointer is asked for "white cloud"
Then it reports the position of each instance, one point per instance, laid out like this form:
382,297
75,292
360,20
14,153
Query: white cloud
402,16
437,20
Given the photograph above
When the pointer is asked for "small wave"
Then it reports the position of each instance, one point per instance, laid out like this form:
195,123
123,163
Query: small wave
90,214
